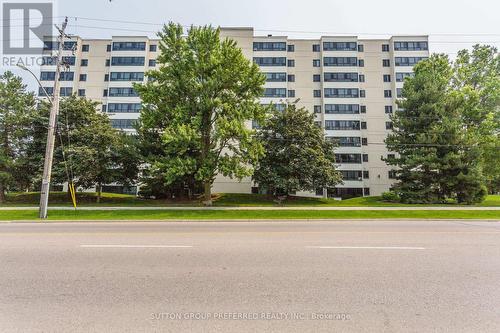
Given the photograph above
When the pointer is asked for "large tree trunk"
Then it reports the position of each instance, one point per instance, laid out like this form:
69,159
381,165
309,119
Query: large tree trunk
208,193
99,192
2,193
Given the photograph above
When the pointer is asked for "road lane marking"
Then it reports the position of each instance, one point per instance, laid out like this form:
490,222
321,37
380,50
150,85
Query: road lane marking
137,246
367,247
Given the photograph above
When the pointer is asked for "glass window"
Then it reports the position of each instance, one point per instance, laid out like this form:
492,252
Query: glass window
83,77
291,93
84,63
291,63
317,109
127,61
316,78
387,93
400,77
387,78
126,76
341,77
385,47
388,109
386,63
153,48
316,93
275,77
411,46
341,92
124,107
339,46
348,158
408,61
316,63
274,92
270,61
85,48
316,48
129,46
342,109
122,92
291,78
269,46
342,125
340,61
346,141
81,92
291,48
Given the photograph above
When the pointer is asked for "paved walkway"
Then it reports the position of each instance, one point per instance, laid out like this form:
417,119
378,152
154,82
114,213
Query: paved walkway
318,208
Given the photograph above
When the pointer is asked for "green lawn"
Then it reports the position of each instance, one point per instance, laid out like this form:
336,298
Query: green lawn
244,215
223,200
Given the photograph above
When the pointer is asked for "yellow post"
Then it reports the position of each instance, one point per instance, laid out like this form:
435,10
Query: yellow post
73,194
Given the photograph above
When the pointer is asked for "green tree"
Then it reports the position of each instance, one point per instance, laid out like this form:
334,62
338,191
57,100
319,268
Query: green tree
203,96
88,150
297,155
16,108
438,156
477,78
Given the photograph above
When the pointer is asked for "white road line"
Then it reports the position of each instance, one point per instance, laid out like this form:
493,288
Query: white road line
137,246
367,247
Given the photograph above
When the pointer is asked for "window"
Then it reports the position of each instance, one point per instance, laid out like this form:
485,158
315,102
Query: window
270,61
385,47
388,125
339,46
341,77
399,92
386,63
345,192
269,46
387,93
317,63
50,45
361,78
66,91
362,93
108,48
316,48
124,107
366,191
83,77
123,123
341,92
85,48
129,46
319,191
317,109
122,92
400,77
291,63
346,141
51,61
105,93
317,93
107,62
153,48
361,63
47,76
127,61
340,61
317,124
363,108
275,77
411,46
361,48
352,175
67,76
316,78
104,108
126,76
387,78
84,62
391,156
388,109
365,158
348,158
363,125
291,93
408,61
152,62
81,92
274,92
366,174
364,141
106,77
291,48
342,125
291,78
392,174
49,90
341,109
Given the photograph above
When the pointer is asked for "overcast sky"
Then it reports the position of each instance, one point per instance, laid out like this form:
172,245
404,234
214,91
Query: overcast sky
450,23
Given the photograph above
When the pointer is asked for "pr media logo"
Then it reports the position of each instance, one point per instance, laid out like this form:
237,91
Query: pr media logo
25,24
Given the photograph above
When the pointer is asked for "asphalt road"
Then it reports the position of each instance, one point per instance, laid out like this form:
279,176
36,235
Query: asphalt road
339,276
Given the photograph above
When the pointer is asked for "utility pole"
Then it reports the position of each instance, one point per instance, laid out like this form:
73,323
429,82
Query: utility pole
54,111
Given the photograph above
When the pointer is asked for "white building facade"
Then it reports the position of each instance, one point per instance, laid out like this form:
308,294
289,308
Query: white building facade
350,84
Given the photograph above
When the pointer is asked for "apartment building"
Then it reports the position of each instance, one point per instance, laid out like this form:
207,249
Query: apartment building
350,84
